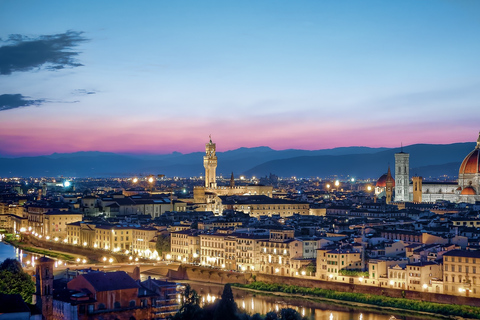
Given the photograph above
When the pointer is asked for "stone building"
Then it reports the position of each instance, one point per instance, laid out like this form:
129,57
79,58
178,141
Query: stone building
204,196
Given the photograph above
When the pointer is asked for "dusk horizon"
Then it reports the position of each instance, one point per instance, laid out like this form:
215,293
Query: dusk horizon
77,77
220,149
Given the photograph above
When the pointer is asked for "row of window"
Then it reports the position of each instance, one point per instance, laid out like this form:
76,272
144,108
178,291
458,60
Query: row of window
460,269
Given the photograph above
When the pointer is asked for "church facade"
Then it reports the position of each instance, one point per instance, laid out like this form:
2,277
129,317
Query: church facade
467,189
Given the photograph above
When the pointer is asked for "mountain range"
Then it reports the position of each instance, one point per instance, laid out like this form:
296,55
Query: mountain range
427,160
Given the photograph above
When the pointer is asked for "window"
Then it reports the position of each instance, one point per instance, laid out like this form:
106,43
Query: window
116,305
132,303
101,306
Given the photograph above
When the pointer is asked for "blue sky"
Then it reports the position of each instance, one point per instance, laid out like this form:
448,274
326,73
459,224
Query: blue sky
160,76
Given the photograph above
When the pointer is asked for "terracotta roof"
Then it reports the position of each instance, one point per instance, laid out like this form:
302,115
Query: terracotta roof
109,281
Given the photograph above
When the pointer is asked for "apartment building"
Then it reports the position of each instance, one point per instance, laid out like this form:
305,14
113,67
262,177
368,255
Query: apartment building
461,273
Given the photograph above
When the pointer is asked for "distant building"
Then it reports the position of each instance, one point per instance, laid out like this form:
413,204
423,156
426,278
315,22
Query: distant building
402,162
204,196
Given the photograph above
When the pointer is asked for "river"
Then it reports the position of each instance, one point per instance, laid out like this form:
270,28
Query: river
9,251
251,303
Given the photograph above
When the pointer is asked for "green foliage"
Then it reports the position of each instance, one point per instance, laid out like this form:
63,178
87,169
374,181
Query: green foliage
271,316
52,254
226,307
311,268
290,314
163,244
14,280
12,265
353,273
190,309
401,303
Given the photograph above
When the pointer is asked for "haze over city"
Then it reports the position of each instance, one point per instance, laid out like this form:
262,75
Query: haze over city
158,77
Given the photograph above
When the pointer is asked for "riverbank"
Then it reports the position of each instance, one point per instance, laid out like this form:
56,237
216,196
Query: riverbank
26,246
398,306
252,301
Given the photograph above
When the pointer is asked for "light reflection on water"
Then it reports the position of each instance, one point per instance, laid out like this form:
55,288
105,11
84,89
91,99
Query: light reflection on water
27,259
263,304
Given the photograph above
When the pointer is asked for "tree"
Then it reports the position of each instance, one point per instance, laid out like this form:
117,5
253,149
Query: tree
163,244
271,316
190,309
12,265
290,314
227,307
14,280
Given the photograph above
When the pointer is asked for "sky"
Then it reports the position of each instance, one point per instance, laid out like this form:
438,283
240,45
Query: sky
161,76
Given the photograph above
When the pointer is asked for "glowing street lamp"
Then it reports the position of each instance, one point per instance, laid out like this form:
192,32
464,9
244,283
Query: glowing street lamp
337,183
135,180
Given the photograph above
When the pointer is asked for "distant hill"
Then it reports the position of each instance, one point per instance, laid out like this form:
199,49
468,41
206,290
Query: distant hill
361,162
425,159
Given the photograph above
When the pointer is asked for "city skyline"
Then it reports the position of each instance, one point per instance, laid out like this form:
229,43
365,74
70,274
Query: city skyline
160,77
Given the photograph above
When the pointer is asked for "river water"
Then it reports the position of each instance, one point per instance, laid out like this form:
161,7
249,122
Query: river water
250,302
8,251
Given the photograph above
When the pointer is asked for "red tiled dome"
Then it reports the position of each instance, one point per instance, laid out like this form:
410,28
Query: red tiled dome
471,163
468,191
382,181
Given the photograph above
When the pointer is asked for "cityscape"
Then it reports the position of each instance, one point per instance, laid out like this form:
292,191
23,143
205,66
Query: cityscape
253,160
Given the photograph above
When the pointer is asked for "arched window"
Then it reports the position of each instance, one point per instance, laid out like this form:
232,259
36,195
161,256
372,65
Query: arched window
132,303
116,305
101,306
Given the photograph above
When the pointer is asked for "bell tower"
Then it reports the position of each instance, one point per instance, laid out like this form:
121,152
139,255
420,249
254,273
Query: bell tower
210,164
402,176
389,187
44,286
417,189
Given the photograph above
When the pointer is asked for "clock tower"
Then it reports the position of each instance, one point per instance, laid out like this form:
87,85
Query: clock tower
210,164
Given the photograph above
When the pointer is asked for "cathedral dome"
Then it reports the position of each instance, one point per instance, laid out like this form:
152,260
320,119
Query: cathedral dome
471,163
382,181
468,191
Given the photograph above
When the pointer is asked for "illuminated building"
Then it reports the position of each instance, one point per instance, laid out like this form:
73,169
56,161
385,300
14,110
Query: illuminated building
204,196
402,162
461,273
